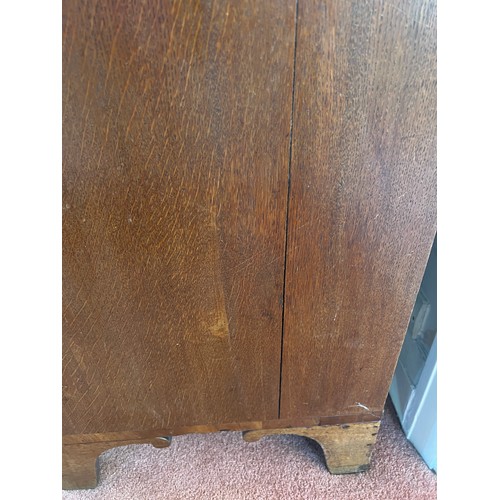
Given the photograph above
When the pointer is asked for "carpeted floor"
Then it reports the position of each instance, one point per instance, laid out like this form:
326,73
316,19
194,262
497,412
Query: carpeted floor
223,466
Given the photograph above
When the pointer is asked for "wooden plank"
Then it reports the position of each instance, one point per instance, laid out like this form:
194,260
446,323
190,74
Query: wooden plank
362,212
232,426
176,122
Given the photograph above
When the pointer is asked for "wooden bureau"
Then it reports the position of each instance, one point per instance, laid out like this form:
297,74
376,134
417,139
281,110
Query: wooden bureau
249,201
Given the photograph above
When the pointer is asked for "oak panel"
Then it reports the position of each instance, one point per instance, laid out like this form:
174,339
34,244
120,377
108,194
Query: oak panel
362,213
176,122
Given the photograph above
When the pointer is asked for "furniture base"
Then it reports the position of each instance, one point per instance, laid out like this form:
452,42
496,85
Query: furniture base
79,461
347,447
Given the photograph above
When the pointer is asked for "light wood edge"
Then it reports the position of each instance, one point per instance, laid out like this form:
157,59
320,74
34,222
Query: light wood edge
79,461
347,448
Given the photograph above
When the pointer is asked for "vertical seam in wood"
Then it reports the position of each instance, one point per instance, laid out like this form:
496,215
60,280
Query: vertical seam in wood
288,204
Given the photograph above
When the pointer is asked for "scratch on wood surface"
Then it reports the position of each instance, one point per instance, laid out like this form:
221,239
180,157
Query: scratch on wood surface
360,405
304,225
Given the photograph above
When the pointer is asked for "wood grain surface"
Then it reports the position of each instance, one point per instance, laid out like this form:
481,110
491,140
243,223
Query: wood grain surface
347,448
362,211
216,427
176,130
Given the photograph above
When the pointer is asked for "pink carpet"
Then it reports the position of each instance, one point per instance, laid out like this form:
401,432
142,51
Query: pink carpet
223,466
